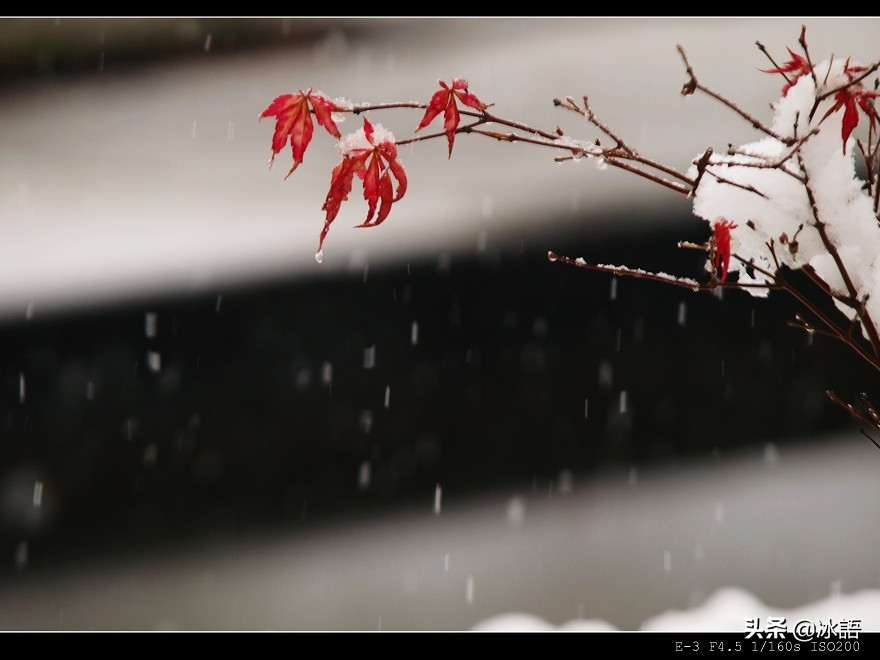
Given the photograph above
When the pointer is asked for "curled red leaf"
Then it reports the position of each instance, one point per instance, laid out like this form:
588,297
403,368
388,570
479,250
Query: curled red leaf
797,66
371,154
445,100
293,122
851,99
721,239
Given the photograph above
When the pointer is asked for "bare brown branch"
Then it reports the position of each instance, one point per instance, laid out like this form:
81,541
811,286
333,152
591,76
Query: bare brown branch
693,84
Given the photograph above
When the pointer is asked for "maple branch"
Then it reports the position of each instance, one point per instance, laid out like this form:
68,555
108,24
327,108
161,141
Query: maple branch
637,273
590,116
862,431
693,84
877,198
613,160
513,124
748,187
849,407
778,164
872,164
622,164
772,61
844,336
359,108
377,166
802,324
777,282
665,278
869,153
421,137
484,117
513,137
831,248
810,272
802,40
874,423
854,81
834,330
628,152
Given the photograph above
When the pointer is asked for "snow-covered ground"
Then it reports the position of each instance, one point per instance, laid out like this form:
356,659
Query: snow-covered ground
118,185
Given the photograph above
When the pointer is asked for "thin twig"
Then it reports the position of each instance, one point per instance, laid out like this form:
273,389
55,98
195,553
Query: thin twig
636,273
677,187
772,61
744,186
693,84
855,413
777,165
862,431
622,150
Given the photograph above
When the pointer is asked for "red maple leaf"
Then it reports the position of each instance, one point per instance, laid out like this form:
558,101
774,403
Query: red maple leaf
722,245
371,154
797,65
444,100
851,99
293,121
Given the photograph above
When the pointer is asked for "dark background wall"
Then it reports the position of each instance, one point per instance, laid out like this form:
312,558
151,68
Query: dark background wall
266,404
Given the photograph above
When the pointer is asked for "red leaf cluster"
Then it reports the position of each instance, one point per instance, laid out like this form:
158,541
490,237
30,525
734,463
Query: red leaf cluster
797,65
293,122
721,238
851,98
370,153
375,163
445,100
